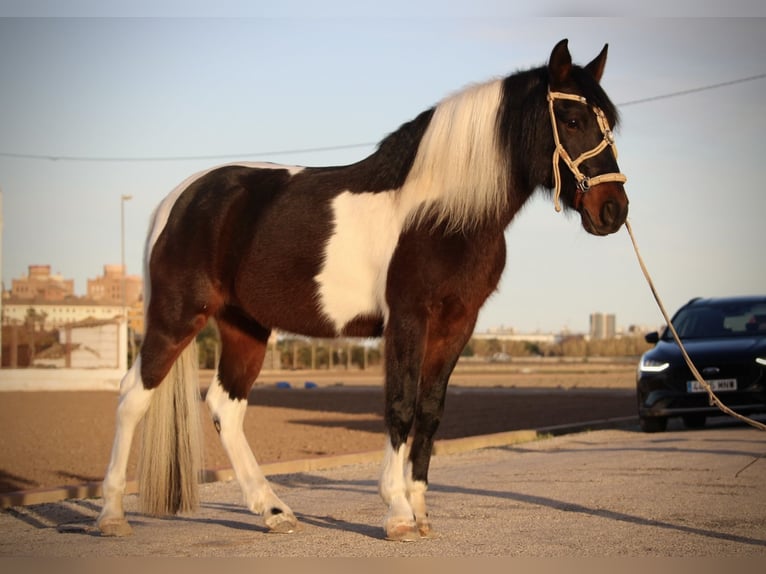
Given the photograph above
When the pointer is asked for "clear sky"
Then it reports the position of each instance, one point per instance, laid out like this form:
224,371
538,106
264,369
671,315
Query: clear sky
135,105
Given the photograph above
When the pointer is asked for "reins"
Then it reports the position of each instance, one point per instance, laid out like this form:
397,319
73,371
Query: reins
584,183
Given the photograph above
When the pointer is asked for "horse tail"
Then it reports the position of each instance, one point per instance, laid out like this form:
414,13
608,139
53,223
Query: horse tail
170,457
171,453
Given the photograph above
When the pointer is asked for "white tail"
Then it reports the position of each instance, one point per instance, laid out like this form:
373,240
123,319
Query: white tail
171,453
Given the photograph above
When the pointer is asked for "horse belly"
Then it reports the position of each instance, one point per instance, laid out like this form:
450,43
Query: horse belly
352,281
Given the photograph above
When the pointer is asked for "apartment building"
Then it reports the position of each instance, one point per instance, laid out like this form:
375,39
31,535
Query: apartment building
49,300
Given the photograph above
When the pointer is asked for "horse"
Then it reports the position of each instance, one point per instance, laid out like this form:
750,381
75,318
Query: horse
406,244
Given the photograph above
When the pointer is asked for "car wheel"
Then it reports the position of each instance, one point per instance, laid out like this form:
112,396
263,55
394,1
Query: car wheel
694,421
653,424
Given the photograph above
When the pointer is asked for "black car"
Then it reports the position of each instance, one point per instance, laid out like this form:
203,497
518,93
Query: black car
726,340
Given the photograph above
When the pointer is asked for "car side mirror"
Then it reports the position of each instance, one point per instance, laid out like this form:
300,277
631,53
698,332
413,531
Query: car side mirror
652,337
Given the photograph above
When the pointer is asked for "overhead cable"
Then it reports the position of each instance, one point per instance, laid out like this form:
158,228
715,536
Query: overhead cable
12,155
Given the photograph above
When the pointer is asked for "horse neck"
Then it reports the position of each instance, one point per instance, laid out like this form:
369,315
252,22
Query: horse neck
466,162
525,136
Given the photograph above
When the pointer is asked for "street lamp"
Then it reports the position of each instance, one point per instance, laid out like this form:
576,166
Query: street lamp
123,199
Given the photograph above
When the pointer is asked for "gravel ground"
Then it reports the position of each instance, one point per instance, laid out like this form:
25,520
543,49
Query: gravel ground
608,493
55,438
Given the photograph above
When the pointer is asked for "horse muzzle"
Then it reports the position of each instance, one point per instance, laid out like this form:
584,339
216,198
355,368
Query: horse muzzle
603,208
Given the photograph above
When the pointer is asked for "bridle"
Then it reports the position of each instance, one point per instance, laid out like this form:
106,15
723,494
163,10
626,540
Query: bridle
584,183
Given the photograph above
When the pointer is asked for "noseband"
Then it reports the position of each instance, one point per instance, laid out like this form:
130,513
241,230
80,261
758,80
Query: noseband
584,183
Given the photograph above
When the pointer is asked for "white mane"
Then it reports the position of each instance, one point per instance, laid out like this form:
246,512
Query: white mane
458,173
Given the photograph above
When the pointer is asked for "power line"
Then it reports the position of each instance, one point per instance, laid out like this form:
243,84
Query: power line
692,90
181,158
12,155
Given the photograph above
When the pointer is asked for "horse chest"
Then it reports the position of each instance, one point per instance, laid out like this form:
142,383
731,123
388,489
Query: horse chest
352,279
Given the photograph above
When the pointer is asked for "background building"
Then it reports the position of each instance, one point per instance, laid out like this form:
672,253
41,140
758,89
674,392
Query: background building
51,315
49,301
108,287
603,325
91,331
40,284
86,345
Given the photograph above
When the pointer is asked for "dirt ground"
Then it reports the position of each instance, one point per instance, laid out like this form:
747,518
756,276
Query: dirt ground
56,438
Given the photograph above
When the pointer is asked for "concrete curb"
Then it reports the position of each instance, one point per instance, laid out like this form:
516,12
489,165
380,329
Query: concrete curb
441,448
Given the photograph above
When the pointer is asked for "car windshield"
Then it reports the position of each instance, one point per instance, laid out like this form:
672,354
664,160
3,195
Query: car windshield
720,320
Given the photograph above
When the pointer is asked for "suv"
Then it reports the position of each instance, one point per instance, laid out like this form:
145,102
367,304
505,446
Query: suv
726,340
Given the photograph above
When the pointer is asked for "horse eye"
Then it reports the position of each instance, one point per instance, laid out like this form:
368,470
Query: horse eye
572,124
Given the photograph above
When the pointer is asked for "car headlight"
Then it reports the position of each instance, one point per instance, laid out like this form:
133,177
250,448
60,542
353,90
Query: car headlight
652,366
761,361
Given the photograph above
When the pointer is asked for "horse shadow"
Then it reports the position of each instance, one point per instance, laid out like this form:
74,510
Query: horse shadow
71,516
78,516
565,506
233,512
326,522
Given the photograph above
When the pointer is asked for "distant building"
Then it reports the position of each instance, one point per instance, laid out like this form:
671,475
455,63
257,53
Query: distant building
50,302
41,284
52,315
603,326
136,317
108,287
510,334
87,345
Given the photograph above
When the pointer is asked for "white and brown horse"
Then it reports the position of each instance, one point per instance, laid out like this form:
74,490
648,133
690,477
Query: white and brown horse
406,244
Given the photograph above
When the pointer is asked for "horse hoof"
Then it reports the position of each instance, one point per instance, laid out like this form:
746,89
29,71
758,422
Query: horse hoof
424,529
404,532
115,527
282,523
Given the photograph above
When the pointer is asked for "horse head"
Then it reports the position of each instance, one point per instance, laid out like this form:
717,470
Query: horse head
585,172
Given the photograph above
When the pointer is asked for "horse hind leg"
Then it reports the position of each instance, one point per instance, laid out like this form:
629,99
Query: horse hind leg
243,350
133,404
138,390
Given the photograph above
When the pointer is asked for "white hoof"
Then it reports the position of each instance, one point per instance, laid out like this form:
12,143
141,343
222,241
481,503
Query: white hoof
401,530
114,527
281,522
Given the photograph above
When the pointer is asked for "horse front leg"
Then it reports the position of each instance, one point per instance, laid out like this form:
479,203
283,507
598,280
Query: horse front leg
404,355
449,331
429,412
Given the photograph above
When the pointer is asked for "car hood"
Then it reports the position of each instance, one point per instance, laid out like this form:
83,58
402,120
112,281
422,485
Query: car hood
728,349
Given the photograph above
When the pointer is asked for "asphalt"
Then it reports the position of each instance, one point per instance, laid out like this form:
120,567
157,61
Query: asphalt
603,493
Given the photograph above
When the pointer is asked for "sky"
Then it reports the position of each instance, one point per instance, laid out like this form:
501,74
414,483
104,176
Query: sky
92,109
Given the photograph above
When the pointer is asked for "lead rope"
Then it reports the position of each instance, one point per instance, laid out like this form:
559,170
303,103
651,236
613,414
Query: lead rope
714,400
585,183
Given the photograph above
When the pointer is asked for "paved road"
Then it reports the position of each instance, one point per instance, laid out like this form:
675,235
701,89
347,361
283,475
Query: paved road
611,492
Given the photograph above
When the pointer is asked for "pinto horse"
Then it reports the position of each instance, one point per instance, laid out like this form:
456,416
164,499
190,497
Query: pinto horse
406,244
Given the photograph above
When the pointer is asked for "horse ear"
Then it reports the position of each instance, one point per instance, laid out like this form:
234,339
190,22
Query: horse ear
560,64
596,67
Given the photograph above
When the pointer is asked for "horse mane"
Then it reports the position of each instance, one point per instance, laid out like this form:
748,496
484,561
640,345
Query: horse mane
463,171
459,177
474,158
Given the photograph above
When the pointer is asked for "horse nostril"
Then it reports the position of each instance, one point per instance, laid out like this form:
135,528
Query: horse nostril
610,212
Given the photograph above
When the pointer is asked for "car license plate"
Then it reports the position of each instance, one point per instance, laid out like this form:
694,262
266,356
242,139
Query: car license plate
715,384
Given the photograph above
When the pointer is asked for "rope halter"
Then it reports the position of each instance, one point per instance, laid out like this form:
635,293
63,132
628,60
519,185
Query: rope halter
584,183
